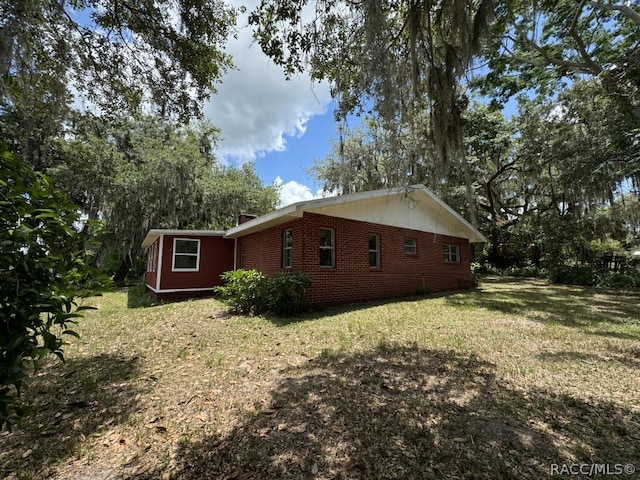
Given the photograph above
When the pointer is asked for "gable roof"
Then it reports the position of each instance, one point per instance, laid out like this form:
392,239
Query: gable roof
154,233
416,208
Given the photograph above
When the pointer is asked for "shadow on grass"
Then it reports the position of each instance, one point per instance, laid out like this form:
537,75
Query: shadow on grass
571,306
69,403
408,413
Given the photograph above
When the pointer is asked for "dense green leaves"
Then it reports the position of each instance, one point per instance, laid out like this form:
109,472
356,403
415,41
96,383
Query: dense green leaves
252,292
150,173
544,46
549,181
120,55
42,276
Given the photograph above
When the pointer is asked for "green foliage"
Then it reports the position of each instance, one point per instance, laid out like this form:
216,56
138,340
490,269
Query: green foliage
590,276
475,274
42,276
150,173
252,292
397,58
585,275
542,45
625,279
527,271
231,191
244,290
286,293
122,56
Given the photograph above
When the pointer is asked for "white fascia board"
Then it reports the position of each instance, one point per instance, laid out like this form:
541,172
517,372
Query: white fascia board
295,210
474,235
154,233
276,217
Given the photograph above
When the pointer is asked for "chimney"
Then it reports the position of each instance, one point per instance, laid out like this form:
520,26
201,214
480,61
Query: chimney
245,217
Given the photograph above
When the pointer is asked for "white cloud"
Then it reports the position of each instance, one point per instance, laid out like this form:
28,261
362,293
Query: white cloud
292,192
256,106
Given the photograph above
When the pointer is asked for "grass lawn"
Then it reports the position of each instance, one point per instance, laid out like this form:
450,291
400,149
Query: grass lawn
504,381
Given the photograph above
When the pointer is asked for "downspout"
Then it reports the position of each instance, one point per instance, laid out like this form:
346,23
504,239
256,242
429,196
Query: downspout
235,253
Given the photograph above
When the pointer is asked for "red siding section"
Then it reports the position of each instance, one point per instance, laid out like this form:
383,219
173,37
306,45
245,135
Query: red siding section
216,257
352,280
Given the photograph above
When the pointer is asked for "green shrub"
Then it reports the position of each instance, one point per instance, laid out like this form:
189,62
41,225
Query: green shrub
574,275
252,292
589,276
626,279
475,273
244,290
525,271
287,293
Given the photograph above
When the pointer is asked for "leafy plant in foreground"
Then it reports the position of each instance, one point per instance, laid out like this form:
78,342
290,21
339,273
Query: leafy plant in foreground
42,273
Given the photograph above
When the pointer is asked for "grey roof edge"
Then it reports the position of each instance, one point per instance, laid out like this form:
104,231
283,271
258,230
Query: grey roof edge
156,232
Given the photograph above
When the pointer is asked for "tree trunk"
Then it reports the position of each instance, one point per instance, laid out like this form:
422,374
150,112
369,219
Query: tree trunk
121,274
471,202
495,258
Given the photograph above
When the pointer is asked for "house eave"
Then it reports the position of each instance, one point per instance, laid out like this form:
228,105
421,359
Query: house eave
155,233
277,217
296,210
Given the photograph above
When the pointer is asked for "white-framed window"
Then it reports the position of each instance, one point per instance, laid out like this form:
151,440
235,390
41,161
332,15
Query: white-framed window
450,253
327,247
152,257
186,255
410,246
374,251
287,248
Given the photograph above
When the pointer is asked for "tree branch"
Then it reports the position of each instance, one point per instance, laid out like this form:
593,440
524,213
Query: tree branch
546,58
626,10
582,49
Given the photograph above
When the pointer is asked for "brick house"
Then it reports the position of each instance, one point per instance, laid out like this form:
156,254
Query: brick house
357,247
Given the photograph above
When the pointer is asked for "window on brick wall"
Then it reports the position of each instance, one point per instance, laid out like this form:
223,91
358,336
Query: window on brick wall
410,246
327,247
243,253
287,248
374,251
451,253
186,255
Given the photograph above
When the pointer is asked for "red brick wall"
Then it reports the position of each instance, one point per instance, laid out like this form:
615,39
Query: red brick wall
352,279
263,250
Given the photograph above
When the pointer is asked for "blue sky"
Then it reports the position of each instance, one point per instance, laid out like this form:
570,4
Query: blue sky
280,125
299,153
